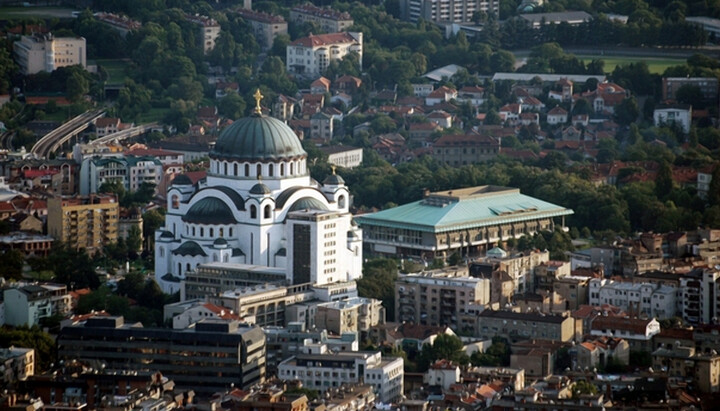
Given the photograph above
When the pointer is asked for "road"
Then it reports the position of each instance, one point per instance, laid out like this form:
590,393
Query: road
680,53
54,139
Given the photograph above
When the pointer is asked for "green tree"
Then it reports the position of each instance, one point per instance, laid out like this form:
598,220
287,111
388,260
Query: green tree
77,86
35,338
714,187
12,262
583,387
663,181
627,111
232,105
378,281
79,274
445,347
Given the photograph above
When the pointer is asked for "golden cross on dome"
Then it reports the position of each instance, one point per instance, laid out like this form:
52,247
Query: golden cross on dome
333,168
258,96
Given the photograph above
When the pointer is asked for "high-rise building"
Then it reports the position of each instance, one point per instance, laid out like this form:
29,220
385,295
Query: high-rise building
259,206
446,11
442,297
207,358
46,53
89,222
209,30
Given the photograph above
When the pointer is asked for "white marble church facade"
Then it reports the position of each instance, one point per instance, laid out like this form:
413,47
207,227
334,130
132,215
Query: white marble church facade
259,206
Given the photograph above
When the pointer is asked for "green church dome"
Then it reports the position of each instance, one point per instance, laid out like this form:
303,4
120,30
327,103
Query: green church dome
210,210
258,138
308,203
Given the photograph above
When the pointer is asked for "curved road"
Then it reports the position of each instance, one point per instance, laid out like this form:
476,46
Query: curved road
54,139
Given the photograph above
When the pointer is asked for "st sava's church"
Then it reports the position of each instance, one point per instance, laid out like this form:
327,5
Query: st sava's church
259,206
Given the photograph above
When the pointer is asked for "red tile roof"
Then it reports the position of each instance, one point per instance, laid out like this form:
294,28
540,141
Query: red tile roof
316,40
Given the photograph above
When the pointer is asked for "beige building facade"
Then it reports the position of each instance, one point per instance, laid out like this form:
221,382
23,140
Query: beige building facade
442,297
34,54
84,222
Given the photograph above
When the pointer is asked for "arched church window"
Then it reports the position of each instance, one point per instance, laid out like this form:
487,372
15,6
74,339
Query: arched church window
253,212
226,258
292,167
230,231
215,257
212,232
175,201
271,170
202,231
225,164
259,170
162,251
247,170
222,232
235,169
187,267
282,169
267,211
193,231
341,201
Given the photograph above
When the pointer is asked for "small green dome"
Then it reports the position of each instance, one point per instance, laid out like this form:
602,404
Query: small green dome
190,248
258,138
220,243
308,203
182,180
260,189
333,180
210,210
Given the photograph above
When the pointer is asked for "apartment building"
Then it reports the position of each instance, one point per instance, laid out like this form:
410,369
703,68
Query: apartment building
330,21
678,115
594,353
27,305
295,338
30,244
463,149
647,299
265,26
207,358
17,363
310,56
352,315
573,290
708,87
323,370
686,364
266,303
343,156
546,273
129,171
88,222
209,30
34,54
441,297
520,267
524,326
698,293
637,331
446,11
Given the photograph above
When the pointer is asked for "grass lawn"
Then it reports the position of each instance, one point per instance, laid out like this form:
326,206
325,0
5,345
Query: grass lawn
115,69
7,13
155,114
60,115
656,65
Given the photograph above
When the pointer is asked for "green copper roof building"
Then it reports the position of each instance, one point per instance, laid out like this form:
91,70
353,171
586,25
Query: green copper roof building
468,220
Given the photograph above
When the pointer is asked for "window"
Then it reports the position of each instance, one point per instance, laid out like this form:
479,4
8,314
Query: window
267,212
175,201
235,169
247,170
341,201
258,172
253,212
270,170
